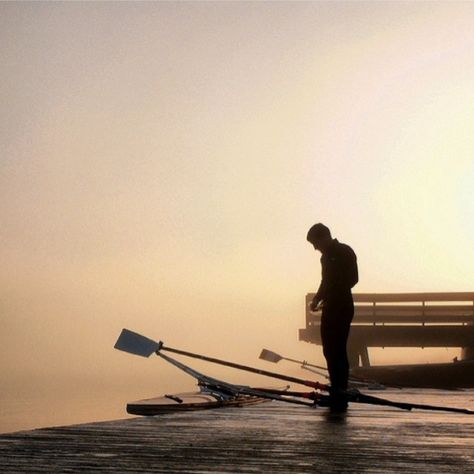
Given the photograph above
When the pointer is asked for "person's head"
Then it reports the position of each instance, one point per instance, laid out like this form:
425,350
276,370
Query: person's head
320,236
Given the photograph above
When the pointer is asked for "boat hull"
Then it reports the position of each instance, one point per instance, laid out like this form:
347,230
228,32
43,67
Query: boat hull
190,401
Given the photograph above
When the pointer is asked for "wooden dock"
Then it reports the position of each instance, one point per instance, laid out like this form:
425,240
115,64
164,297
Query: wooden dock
270,437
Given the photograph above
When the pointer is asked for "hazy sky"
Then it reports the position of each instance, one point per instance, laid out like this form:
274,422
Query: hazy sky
162,162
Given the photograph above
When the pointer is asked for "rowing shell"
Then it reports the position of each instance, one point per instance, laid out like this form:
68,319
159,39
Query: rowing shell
226,394
187,402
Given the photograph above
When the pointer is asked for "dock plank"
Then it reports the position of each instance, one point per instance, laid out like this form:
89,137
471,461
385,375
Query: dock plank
271,437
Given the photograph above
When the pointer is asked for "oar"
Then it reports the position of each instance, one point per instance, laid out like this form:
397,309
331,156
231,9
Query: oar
314,371
271,356
358,397
137,344
134,343
354,396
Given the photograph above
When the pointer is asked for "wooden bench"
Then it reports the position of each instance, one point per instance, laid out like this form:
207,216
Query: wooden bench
403,320
412,308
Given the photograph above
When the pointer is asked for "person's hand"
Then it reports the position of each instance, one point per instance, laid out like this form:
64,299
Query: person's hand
315,305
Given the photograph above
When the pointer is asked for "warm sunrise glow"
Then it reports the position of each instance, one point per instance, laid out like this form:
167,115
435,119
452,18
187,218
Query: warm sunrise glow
162,163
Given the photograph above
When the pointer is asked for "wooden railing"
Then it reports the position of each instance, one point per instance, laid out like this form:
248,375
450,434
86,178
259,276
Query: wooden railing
403,320
406,308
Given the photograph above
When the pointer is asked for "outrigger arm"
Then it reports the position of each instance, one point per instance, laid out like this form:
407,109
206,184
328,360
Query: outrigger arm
220,385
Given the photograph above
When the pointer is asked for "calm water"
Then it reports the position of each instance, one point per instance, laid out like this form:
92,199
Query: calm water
36,403
36,410
47,407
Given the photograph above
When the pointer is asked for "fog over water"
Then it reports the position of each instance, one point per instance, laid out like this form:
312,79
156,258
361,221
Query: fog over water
162,162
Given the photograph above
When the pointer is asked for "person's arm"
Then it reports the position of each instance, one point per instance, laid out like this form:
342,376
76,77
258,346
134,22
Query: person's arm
320,294
317,298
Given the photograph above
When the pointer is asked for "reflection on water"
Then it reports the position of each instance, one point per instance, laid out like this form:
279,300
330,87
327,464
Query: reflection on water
38,403
30,410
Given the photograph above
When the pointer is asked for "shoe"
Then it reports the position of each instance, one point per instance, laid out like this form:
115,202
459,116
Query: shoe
324,401
338,407
338,403
335,404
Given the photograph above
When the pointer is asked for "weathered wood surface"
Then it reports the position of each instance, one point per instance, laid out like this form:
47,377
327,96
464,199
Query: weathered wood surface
271,437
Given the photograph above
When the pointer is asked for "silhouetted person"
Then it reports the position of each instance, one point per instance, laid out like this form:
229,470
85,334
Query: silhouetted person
339,275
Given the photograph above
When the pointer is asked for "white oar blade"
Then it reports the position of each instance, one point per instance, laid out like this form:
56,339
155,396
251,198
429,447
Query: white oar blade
270,356
135,343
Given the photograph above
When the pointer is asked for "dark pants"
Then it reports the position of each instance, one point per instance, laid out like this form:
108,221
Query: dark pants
335,325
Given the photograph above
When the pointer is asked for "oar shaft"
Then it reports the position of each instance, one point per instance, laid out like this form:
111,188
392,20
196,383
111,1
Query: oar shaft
368,399
290,393
362,398
307,364
287,378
